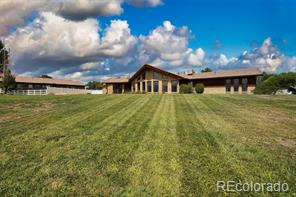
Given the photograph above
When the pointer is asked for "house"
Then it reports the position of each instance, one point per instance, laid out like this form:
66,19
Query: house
38,85
150,79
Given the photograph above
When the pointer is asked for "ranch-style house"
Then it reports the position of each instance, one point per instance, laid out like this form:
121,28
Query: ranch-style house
150,79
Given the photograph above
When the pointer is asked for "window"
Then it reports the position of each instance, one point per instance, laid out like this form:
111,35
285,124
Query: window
139,88
228,85
164,86
143,76
174,86
235,85
156,75
155,86
245,85
143,86
165,77
149,86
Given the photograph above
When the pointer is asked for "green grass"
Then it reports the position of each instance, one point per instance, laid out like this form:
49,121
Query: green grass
145,145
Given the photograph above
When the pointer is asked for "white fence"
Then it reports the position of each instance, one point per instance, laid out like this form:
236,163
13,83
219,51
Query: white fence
94,91
49,90
29,92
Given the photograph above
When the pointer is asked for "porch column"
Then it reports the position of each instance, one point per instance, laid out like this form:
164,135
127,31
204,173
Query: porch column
152,86
169,86
160,90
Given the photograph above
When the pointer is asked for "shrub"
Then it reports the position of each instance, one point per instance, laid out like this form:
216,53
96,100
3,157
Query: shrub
186,89
199,88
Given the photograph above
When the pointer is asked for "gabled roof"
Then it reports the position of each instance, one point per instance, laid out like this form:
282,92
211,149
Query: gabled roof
39,80
207,75
225,73
147,66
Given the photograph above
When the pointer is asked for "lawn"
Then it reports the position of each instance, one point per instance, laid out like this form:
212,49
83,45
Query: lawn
145,145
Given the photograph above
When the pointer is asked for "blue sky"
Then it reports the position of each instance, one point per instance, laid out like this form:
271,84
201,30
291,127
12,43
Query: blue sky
93,40
235,23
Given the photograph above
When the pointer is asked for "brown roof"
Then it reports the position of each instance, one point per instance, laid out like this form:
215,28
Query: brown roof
225,73
156,69
206,75
39,80
117,80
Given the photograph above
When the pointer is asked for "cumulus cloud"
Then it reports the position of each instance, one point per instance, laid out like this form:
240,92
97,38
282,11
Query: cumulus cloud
14,13
45,42
222,60
82,9
117,40
267,57
168,45
50,43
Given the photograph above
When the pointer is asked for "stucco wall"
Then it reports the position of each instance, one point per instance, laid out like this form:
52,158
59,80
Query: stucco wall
222,90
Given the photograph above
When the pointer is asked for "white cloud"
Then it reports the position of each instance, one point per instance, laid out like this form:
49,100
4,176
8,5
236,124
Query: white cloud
91,65
52,43
168,45
14,12
52,37
197,57
267,57
223,60
117,40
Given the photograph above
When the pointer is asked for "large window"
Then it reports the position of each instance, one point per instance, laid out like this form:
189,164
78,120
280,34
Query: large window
245,85
156,75
235,85
155,86
139,87
164,86
174,86
149,86
143,76
143,86
228,85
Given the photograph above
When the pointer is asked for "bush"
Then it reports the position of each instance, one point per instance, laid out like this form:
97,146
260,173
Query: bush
186,89
275,83
199,88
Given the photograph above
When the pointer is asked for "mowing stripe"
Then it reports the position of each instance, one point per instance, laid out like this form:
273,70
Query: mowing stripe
156,168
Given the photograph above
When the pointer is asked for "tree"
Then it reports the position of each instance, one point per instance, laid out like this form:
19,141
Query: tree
8,82
199,88
94,85
274,83
3,56
207,69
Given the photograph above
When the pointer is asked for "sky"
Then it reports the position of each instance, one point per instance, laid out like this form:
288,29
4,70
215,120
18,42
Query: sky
93,40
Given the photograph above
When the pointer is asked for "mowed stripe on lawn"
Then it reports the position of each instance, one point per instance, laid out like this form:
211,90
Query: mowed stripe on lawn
156,168
145,145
